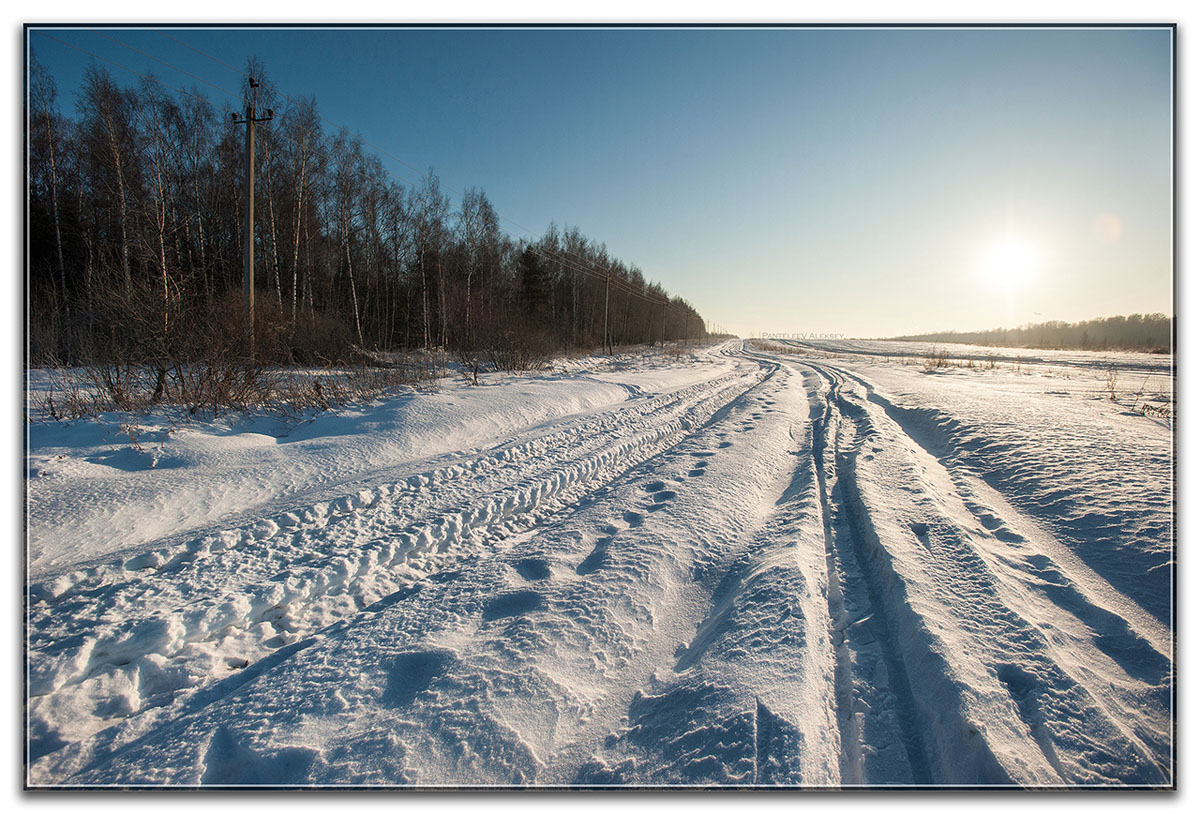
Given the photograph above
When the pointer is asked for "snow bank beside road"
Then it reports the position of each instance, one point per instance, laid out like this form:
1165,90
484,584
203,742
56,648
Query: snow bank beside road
119,483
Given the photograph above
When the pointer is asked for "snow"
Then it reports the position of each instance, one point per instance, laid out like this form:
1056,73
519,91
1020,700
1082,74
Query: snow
98,490
824,567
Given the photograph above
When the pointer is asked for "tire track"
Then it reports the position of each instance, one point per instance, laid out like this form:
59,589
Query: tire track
871,672
742,701
222,602
1037,702
492,614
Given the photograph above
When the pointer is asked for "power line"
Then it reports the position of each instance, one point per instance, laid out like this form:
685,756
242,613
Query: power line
559,258
149,76
293,100
162,62
197,50
375,147
596,274
153,78
593,272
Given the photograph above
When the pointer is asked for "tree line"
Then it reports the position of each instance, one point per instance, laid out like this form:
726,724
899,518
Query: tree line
1147,332
135,215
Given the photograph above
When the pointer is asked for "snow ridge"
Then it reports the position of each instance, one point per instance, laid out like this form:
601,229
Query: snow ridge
223,601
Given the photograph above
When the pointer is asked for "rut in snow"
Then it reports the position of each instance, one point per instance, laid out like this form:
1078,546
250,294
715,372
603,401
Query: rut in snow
246,592
984,695
763,580
881,736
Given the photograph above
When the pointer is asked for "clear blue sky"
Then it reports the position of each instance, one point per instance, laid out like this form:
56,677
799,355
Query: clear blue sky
869,182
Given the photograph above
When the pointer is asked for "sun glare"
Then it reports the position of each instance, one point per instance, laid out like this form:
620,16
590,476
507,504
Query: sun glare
1009,263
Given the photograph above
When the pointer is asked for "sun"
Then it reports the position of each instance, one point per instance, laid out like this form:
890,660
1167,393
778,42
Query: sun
1009,263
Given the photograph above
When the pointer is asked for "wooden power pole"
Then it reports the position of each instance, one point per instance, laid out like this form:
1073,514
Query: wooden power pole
250,119
607,278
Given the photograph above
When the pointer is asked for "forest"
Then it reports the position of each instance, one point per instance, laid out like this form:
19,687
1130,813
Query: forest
1145,332
135,246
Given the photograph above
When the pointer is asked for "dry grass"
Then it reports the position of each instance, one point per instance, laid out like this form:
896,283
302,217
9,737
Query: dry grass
1110,382
936,359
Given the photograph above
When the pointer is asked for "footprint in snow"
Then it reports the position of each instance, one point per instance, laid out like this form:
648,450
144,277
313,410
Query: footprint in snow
990,521
1020,682
1006,535
229,761
532,569
412,673
512,604
596,559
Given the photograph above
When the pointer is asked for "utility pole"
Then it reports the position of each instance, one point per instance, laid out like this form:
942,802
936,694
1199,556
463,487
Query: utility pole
664,323
249,120
607,278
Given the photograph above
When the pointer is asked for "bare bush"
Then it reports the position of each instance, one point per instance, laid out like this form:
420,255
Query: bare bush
519,351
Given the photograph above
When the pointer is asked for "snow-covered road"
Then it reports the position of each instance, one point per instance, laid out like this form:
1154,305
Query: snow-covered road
756,568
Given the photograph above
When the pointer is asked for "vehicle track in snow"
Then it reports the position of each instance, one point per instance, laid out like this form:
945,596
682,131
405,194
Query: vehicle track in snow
166,620
881,740
992,633
520,665
744,699
762,580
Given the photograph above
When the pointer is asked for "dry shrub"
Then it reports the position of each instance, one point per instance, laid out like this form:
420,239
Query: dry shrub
936,360
1110,382
204,362
519,351
321,339
1163,411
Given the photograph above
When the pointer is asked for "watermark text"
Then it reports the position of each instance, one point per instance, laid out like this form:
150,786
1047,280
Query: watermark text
801,335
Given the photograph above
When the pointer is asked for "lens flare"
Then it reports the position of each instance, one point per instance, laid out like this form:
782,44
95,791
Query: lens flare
1107,228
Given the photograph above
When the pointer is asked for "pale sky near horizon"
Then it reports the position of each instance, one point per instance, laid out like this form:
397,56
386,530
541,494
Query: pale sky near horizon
862,181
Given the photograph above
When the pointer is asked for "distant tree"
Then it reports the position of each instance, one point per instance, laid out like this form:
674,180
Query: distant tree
1135,331
479,236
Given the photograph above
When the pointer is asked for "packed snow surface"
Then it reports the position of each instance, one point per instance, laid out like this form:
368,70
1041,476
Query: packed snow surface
770,563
